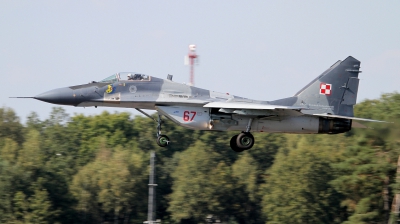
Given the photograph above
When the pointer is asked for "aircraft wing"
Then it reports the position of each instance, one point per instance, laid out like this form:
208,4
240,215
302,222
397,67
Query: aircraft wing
256,109
254,106
245,108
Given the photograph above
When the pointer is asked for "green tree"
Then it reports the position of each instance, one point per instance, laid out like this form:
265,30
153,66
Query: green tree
113,184
203,185
247,178
387,107
6,190
33,121
34,209
10,126
20,208
31,156
297,187
40,207
361,177
9,150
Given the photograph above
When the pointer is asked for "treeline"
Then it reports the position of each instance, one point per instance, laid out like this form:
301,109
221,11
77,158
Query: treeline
95,169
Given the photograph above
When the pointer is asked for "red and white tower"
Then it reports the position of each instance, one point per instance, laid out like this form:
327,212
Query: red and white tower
190,59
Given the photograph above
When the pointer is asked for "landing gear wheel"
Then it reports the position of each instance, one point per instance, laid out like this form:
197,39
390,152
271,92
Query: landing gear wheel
233,144
162,140
245,141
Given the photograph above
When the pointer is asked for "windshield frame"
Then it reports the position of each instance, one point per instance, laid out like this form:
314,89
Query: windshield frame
111,78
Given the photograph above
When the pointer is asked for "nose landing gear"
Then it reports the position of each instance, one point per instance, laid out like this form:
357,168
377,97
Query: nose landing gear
162,140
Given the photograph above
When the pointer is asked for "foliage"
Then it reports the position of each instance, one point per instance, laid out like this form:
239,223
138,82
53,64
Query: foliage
297,188
111,185
202,184
94,169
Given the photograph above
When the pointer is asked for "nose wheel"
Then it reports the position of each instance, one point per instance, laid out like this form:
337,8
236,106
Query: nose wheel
162,140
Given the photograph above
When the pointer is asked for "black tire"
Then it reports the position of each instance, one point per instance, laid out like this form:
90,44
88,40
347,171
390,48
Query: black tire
233,144
245,141
162,140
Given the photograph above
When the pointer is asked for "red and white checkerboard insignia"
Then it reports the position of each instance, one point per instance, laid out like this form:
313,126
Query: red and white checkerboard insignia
325,89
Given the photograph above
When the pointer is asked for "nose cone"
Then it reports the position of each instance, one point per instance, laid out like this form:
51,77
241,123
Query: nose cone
62,96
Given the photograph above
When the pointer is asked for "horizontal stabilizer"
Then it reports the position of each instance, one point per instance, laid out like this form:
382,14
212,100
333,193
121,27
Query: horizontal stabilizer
351,118
355,124
255,106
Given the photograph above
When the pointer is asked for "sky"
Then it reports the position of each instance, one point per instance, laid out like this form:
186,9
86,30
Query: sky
263,50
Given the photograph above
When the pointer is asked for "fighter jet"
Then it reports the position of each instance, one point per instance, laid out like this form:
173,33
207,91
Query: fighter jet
324,106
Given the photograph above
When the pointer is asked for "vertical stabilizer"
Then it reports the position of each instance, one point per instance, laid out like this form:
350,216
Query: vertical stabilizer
334,91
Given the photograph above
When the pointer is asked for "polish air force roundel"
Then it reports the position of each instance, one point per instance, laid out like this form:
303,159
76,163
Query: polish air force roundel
325,89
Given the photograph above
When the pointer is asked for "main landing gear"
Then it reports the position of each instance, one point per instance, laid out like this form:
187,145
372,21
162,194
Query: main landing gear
162,140
244,140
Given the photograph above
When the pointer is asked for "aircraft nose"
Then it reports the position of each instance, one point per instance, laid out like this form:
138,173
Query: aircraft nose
63,96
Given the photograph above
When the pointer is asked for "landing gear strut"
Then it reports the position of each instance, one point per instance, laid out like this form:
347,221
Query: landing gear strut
162,140
244,140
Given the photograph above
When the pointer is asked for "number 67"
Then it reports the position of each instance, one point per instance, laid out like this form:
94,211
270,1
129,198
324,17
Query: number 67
186,116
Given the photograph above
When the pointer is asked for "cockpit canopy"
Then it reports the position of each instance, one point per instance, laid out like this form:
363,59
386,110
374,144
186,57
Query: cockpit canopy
130,76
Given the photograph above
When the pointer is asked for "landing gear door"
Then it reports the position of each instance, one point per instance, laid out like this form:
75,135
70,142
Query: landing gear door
350,94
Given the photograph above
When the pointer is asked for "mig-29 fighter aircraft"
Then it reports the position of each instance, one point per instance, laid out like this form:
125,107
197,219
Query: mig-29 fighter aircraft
324,106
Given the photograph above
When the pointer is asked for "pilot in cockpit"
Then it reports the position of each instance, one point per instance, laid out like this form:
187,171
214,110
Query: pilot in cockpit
135,77
130,76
